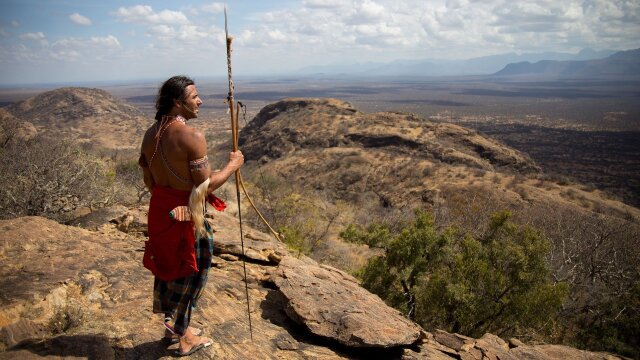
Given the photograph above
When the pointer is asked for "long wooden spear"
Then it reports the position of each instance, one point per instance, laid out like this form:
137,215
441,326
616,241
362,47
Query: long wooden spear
234,136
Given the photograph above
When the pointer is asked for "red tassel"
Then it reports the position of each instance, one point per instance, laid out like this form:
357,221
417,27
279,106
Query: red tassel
216,202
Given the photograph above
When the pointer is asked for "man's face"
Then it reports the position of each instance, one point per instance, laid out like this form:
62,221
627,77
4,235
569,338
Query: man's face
191,103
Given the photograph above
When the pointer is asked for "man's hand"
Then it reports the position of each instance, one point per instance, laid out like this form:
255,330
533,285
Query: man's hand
236,159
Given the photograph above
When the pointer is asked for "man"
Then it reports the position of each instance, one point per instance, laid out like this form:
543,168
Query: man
175,165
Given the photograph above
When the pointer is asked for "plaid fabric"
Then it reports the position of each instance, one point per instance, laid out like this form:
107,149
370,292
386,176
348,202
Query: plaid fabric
178,297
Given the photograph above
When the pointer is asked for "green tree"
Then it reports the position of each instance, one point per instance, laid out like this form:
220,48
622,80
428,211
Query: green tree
617,325
497,282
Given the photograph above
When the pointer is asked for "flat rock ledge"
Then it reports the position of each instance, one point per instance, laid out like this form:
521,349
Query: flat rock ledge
331,304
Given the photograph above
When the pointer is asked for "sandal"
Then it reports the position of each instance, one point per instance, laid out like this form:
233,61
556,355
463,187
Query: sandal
173,338
194,348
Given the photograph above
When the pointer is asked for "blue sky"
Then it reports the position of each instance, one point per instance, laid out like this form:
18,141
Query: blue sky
91,40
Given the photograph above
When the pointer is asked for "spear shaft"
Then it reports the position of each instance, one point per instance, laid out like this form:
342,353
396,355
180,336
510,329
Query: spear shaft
234,138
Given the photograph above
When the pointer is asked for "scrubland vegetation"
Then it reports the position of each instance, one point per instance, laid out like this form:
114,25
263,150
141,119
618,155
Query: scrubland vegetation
464,265
52,177
473,264
466,261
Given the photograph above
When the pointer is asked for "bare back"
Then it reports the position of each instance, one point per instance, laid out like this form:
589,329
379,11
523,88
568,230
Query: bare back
169,167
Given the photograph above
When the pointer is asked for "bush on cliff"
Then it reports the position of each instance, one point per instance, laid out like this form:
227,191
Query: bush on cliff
497,282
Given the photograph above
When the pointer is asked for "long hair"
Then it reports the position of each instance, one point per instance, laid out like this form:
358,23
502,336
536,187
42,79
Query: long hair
172,89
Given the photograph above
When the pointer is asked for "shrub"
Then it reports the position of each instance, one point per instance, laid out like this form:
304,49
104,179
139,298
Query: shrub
51,177
598,256
303,218
498,282
617,326
428,171
131,186
66,318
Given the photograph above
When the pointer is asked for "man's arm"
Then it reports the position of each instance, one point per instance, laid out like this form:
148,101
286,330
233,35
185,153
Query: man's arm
199,164
146,173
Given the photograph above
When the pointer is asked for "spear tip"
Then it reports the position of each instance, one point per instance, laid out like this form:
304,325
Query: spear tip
226,31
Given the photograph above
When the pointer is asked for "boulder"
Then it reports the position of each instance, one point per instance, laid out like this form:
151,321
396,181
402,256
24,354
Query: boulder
93,220
331,303
493,348
456,342
258,247
425,353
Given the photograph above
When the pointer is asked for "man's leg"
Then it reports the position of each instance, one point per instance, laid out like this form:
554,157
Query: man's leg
170,335
183,294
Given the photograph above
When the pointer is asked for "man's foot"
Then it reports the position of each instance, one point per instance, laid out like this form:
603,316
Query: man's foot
190,344
170,337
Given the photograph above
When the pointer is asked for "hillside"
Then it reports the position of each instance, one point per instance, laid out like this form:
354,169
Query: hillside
91,298
400,160
85,293
328,144
13,129
88,115
623,64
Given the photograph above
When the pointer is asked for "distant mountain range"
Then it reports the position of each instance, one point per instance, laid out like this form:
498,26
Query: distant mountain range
487,65
623,64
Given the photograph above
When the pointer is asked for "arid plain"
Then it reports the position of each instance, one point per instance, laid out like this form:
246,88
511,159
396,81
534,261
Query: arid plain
373,151
586,131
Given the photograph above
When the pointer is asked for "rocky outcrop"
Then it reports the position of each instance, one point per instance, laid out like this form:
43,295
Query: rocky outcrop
331,303
442,345
72,292
296,124
326,144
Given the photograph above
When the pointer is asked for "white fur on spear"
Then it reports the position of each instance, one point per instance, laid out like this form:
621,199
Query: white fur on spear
197,207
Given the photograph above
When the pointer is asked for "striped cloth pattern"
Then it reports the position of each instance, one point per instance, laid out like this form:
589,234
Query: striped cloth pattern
177,298
180,213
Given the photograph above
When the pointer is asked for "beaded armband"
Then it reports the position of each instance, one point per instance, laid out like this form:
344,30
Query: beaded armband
197,164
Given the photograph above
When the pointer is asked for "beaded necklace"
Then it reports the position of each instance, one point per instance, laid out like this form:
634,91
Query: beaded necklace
162,128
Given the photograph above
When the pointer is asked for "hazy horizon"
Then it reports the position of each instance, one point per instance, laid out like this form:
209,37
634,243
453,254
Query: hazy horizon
44,42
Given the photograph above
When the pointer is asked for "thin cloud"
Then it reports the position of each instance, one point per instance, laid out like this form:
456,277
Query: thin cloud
73,49
145,14
447,29
215,8
33,36
110,41
289,35
80,43
162,30
372,10
323,4
79,19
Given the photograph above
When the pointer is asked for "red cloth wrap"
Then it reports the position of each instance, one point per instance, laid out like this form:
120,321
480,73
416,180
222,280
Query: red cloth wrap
170,251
